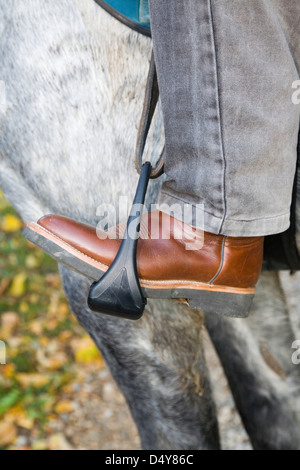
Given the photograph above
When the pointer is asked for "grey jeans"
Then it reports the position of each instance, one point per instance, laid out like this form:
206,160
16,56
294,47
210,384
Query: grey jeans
226,70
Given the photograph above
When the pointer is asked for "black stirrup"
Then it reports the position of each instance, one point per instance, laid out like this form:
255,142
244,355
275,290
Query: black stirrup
118,292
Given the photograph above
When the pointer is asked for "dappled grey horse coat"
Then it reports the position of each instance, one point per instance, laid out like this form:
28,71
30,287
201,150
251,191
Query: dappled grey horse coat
72,89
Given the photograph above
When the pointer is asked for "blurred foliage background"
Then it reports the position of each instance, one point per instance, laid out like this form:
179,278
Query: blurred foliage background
45,345
55,391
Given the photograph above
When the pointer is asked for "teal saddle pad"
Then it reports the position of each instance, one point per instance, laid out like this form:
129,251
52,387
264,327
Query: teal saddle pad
134,13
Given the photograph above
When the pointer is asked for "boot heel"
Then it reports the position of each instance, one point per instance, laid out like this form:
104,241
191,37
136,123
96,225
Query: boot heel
224,303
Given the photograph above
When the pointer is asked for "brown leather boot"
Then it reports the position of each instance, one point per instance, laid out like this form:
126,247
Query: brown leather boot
213,272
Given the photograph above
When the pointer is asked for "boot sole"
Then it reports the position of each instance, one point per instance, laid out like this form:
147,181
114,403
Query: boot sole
224,300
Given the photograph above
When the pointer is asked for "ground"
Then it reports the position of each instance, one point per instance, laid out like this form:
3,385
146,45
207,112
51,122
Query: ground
55,389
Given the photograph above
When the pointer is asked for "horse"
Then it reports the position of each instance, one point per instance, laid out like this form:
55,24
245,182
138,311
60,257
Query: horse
72,84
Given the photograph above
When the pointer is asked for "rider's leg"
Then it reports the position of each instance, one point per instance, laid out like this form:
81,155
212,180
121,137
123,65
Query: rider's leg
225,72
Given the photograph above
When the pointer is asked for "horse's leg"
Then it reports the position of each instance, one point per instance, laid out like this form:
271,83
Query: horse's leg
256,357
159,365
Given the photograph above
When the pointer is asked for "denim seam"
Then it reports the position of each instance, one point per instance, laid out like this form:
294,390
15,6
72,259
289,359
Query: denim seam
163,191
216,217
286,38
218,101
259,218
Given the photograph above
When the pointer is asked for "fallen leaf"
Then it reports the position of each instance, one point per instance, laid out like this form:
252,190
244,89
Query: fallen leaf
14,342
34,298
17,415
34,380
8,370
4,285
32,262
57,362
8,433
86,351
36,327
64,407
11,223
39,445
25,422
24,307
15,412
65,336
68,388
9,322
18,286
44,341
58,442
52,324
63,311
54,361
